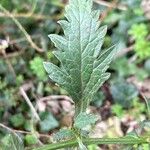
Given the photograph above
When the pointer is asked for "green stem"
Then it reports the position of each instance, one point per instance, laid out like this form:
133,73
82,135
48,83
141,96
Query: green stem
89,141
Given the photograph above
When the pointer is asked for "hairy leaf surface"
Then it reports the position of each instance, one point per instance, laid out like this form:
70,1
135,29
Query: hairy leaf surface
63,134
83,120
83,64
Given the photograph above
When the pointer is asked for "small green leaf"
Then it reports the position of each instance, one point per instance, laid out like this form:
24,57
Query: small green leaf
83,120
123,93
63,134
132,134
118,110
17,120
138,31
48,122
37,68
31,139
145,147
93,147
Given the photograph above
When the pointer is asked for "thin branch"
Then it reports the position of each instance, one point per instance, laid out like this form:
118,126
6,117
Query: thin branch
23,93
18,53
108,4
33,16
56,97
22,29
36,36
14,54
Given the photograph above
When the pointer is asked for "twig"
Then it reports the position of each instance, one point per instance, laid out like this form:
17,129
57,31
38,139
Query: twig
27,86
22,29
33,16
23,39
5,127
22,132
23,93
14,54
108,4
56,97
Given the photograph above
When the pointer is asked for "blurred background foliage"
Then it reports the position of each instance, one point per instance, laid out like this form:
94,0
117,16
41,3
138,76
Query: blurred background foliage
24,46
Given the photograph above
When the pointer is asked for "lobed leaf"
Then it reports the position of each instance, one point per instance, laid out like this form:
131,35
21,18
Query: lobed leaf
83,64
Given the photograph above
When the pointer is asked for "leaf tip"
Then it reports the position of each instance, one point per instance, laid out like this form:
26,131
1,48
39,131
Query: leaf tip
104,29
50,36
45,65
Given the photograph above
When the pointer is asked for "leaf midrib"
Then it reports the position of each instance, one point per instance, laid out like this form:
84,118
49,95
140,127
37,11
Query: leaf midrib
81,50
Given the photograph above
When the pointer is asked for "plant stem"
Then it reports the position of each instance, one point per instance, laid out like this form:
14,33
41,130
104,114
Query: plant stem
89,141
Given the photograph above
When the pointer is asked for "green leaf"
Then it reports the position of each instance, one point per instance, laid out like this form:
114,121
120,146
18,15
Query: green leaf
48,122
36,66
93,147
123,93
63,134
138,31
31,139
12,142
118,110
83,64
132,134
17,120
145,146
83,120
